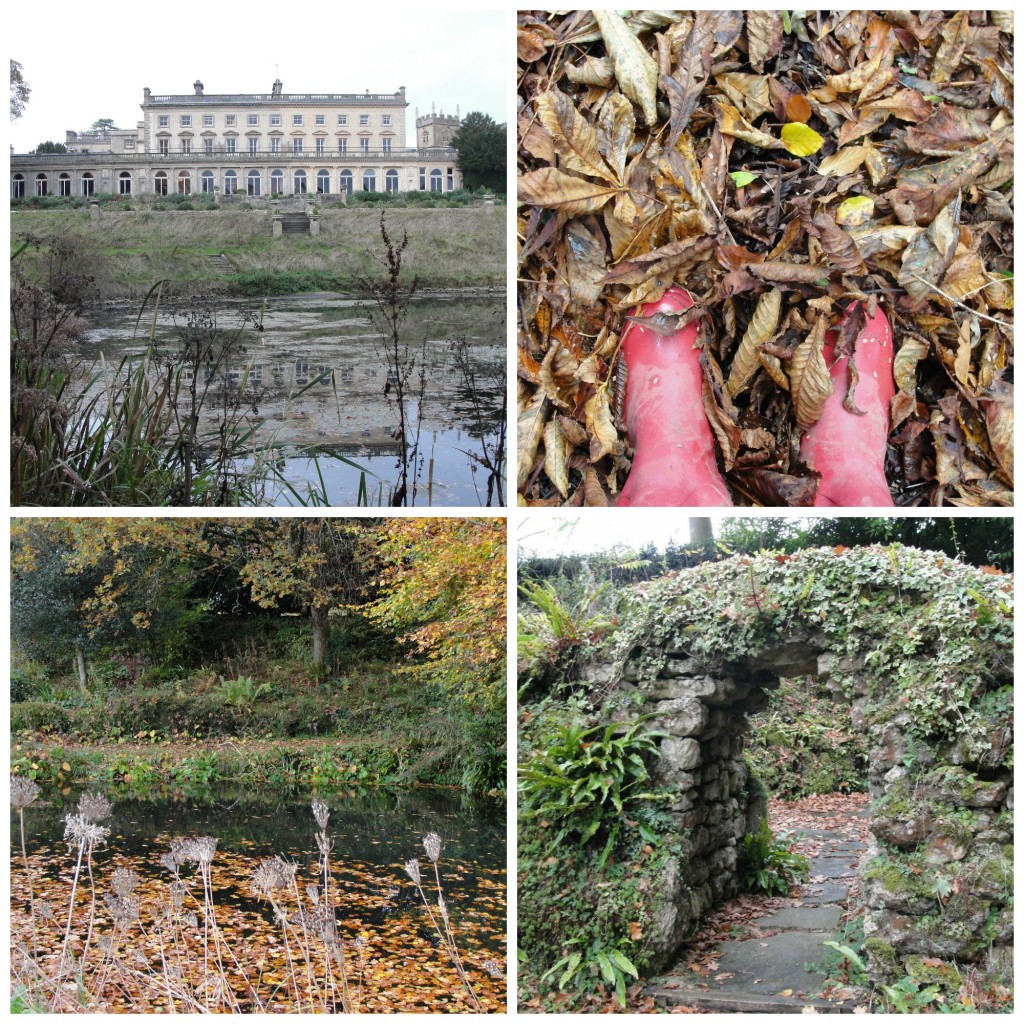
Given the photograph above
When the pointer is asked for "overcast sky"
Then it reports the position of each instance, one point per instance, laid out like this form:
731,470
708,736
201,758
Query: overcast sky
83,64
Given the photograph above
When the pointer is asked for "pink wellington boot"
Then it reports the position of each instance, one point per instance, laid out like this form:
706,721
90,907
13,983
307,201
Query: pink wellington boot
848,450
674,449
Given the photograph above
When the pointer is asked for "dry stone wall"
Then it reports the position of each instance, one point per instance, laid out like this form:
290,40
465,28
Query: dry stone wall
922,660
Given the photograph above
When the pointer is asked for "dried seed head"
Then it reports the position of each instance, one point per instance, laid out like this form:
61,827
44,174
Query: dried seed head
94,807
24,792
169,861
313,892
493,968
44,910
178,890
272,873
432,844
412,869
123,881
324,844
79,830
206,847
191,920
443,907
321,812
123,909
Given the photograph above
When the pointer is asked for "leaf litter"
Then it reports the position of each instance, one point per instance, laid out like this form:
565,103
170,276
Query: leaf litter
767,159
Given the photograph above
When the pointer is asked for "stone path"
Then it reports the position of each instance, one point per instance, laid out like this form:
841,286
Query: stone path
779,970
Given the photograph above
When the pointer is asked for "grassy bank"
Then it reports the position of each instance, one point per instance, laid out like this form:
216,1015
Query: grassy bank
128,251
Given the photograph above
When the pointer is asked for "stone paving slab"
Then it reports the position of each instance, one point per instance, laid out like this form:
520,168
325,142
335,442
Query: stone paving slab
814,894
834,867
815,919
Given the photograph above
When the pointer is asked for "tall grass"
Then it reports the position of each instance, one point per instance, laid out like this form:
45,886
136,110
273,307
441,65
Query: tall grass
167,949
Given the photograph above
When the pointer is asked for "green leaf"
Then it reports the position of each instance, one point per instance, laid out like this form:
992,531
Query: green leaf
742,178
624,963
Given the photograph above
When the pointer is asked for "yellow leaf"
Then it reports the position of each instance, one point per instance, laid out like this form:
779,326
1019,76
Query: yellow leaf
65,767
801,140
855,211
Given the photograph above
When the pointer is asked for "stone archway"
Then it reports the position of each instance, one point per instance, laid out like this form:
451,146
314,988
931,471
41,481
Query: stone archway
919,646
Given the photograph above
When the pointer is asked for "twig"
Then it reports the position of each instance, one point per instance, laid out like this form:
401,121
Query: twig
962,305
714,207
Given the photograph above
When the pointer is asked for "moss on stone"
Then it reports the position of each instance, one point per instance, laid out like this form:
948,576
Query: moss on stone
926,971
897,879
884,959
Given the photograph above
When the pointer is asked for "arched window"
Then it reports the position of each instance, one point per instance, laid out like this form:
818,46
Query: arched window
299,182
323,182
184,183
277,181
207,181
18,186
160,183
253,183
230,183
345,182
124,183
391,180
369,181
435,180
42,185
64,184
88,184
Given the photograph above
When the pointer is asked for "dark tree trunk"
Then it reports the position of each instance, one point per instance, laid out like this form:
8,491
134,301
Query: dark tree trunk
700,531
83,677
321,633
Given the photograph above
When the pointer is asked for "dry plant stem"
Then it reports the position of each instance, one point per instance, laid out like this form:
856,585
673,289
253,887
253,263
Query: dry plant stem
313,988
92,907
31,890
443,939
71,909
963,305
283,918
453,949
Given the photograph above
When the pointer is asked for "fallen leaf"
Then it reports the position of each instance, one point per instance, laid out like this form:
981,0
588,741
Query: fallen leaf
761,329
635,70
801,140
809,382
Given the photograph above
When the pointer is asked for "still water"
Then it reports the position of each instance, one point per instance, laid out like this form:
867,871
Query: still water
314,369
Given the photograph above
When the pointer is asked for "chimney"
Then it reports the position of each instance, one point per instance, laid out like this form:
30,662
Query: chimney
198,86
277,87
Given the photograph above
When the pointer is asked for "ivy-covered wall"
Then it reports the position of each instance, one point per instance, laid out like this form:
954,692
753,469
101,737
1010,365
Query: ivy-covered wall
920,647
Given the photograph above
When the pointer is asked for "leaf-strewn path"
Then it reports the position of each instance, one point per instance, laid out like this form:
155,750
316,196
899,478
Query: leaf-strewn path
761,954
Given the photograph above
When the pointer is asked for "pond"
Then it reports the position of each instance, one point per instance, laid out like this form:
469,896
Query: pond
393,956
312,367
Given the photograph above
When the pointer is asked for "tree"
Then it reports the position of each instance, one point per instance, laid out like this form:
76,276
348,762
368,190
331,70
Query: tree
50,147
481,146
103,125
19,91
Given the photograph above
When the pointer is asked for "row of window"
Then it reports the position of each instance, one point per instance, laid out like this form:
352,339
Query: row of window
229,185
253,120
163,146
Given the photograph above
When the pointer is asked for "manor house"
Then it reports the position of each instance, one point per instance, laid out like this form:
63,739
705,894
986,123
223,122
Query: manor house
258,144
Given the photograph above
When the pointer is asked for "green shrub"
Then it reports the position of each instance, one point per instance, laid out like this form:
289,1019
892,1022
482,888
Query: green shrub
768,864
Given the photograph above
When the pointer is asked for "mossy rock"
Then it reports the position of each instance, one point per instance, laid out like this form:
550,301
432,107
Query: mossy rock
929,970
883,960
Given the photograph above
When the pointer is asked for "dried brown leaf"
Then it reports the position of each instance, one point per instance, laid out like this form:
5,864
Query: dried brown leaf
788,273
635,69
555,452
809,380
603,436
585,263
615,128
764,36
597,71
732,122
572,137
529,430
551,188
839,246
950,52
929,254
844,161
760,330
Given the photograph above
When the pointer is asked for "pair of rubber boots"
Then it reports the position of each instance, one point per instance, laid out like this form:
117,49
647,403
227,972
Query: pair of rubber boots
674,448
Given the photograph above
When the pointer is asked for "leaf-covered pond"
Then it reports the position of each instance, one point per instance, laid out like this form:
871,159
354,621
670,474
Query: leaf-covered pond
159,941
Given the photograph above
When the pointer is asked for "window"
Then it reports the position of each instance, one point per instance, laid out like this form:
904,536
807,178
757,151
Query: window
423,179
277,181
207,182
296,119
345,182
342,145
451,179
319,118
364,145
252,120
18,187
343,119
208,147
207,120
320,147
186,121
386,143
275,145
296,145
64,185
364,120
386,120
184,183
42,185
369,181
275,120
252,180
129,143
230,183
435,180
160,183
230,145
391,181
186,145
254,147
163,145
323,182
426,137
88,184
164,121
229,120
124,183
300,182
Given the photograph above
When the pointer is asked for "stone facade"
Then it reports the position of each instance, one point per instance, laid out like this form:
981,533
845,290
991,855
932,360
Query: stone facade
255,144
